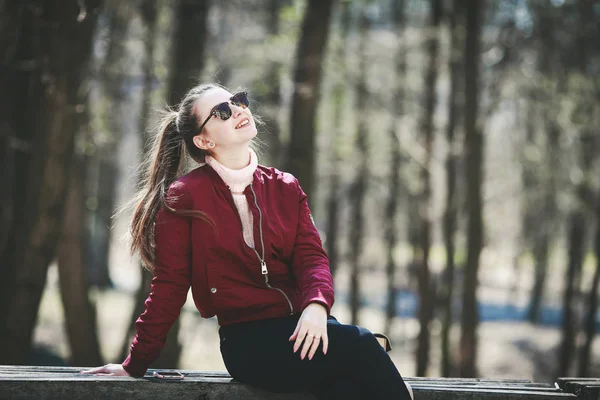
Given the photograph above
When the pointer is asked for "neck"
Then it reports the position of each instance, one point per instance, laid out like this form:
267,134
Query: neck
236,158
236,179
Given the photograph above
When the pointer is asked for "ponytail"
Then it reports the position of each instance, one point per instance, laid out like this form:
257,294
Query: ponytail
163,166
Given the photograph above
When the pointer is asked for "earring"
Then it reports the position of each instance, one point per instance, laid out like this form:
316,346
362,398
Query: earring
211,145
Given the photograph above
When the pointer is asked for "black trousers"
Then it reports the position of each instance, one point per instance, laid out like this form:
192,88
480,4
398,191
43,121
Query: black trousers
259,354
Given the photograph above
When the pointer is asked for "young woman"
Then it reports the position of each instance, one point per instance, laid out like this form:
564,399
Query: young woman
242,237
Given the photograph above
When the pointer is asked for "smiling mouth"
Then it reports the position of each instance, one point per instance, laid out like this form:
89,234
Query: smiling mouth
243,123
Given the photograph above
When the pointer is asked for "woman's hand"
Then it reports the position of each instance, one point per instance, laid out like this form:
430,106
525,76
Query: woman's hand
311,329
108,369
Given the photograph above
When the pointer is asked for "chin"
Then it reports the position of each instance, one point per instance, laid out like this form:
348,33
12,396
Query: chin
252,132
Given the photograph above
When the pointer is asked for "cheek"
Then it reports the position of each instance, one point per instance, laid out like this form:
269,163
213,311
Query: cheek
221,133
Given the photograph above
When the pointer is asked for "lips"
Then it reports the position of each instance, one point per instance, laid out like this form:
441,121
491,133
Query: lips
244,122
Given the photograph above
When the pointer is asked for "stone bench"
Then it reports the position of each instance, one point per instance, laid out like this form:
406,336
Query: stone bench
28,382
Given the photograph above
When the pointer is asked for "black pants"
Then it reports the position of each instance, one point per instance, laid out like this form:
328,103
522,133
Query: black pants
259,354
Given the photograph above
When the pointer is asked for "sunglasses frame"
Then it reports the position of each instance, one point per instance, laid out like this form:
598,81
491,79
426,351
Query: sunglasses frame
213,111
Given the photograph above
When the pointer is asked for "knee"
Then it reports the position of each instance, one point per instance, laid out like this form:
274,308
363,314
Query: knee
367,341
353,341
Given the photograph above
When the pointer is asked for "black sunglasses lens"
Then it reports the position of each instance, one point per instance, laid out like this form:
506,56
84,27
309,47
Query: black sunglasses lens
222,111
240,99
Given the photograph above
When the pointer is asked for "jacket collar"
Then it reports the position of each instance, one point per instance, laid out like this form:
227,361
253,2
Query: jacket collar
217,181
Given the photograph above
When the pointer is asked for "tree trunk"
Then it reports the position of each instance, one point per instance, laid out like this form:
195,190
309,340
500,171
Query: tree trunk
220,43
271,105
148,11
310,54
103,168
338,95
547,221
580,214
531,222
540,256
543,226
80,313
572,280
395,165
11,93
359,187
474,174
590,143
451,207
425,312
576,242
17,29
590,318
56,42
189,38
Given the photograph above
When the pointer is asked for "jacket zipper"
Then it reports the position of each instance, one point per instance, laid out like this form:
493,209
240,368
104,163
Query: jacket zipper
263,264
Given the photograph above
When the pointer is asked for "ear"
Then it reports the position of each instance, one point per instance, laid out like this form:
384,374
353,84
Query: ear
202,142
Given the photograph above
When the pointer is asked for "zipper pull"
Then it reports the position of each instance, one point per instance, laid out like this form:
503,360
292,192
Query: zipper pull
263,266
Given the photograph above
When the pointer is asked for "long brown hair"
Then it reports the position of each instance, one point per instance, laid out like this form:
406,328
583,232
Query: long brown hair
165,164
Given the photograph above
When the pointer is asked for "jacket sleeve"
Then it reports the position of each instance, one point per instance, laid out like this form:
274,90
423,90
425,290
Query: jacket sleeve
310,264
170,285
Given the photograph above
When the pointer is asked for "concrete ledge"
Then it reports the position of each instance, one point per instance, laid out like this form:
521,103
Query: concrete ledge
29,382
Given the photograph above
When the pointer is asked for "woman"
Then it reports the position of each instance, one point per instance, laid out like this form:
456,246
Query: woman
241,236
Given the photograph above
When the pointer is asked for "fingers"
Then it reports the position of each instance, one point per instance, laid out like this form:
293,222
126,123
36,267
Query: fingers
313,347
99,370
300,338
310,338
295,334
325,339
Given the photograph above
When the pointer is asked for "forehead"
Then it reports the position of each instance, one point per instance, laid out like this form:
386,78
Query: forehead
206,102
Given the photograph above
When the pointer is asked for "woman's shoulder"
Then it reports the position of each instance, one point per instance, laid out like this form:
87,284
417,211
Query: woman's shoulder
189,182
277,176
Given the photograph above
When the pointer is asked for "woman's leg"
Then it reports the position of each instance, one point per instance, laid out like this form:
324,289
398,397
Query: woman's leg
259,353
372,368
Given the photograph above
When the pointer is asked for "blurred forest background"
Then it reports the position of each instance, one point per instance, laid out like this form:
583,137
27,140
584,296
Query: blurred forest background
450,149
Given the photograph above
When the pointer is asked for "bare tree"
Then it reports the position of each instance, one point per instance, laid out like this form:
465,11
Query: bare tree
189,38
590,31
80,313
585,351
359,186
576,238
425,313
390,223
456,18
338,95
307,80
102,169
11,144
580,213
56,42
539,223
272,90
473,147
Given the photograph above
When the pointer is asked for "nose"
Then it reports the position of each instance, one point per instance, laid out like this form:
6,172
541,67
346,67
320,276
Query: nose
236,110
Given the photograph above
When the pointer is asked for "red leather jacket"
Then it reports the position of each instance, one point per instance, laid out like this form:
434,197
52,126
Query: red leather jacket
287,269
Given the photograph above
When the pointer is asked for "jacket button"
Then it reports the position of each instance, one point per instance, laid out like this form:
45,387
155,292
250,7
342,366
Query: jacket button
213,290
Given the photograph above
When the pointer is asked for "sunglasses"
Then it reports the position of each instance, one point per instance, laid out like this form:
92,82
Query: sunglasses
223,110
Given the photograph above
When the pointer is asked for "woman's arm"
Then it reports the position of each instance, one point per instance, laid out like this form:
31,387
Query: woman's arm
310,264
170,285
